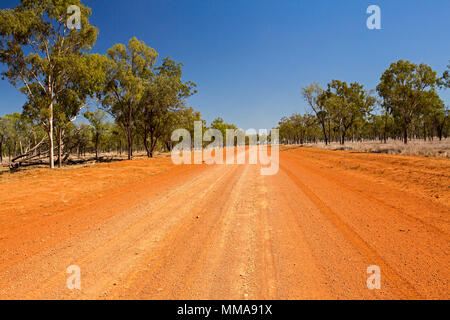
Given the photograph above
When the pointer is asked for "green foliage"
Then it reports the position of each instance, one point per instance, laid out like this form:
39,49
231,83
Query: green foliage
446,78
129,73
299,129
410,106
222,126
46,60
99,126
315,96
347,105
17,135
406,88
164,97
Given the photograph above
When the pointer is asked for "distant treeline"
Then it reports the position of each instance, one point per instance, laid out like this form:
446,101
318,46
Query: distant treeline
19,136
405,105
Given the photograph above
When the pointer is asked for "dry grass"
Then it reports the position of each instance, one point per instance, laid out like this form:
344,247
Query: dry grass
435,149
89,158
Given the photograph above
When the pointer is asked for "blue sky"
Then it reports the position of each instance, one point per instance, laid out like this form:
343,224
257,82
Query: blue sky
251,58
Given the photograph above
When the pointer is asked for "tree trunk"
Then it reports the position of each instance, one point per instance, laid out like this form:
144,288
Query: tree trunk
440,129
152,149
405,134
153,142
59,133
342,137
145,141
50,137
130,143
96,146
325,133
329,131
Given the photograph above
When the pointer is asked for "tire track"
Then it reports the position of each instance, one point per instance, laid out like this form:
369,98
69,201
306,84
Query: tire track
133,233
387,206
161,260
270,272
402,287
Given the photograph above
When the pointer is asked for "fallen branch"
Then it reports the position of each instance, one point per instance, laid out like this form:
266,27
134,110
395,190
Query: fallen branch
30,151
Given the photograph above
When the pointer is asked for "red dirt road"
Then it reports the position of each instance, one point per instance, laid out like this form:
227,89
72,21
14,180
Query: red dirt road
147,229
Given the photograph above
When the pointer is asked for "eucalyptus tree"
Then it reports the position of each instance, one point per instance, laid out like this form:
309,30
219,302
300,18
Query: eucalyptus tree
346,104
300,125
186,118
445,81
405,88
85,89
164,97
287,130
183,118
434,116
128,76
82,138
3,135
42,53
97,119
11,133
222,126
313,131
314,96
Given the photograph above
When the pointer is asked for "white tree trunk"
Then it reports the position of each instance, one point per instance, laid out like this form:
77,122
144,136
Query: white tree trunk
50,136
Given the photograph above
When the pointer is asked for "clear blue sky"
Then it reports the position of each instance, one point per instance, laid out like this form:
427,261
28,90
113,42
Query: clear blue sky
250,58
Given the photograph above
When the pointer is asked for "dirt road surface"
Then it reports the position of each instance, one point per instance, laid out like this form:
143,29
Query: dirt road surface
148,229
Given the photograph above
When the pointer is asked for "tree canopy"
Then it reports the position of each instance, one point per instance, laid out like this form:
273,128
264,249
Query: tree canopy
44,58
406,88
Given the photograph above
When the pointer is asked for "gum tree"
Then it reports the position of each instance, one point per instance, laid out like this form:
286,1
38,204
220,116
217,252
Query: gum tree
164,97
347,104
2,137
128,76
87,83
183,118
97,119
41,54
222,126
313,95
434,115
405,87
445,82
